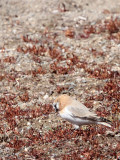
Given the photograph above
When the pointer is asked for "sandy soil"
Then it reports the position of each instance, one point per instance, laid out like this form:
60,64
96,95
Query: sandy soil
48,48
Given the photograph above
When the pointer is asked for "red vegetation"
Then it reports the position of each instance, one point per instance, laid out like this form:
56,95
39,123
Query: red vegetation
34,50
77,144
59,89
103,112
111,26
9,60
10,77
70,33
54,53
102,72
9,112
116,108
97,53
36,59
73,61
35,72
112,89
16,144
24,97
59,69
65,70
37,153
56,137
1,77
29,40
82,64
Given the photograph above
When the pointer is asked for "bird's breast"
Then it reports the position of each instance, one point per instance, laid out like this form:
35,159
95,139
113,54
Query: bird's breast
67,115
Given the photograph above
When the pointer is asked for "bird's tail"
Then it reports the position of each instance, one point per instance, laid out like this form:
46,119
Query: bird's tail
104,122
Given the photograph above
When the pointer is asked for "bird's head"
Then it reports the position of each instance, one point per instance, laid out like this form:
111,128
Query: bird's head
61,102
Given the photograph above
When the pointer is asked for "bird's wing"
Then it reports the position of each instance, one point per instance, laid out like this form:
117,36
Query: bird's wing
77,109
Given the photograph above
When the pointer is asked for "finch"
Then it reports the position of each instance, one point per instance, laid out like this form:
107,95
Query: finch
77,113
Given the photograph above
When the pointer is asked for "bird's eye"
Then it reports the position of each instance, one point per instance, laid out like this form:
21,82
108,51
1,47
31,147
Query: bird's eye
55,105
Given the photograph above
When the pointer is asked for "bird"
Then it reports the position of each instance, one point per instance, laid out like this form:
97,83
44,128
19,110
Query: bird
76,113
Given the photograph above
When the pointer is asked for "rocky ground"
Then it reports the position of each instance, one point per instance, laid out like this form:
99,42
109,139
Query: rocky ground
48,48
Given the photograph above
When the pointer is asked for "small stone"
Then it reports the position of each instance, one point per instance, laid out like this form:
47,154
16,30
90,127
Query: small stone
28,123
46,96
26,149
